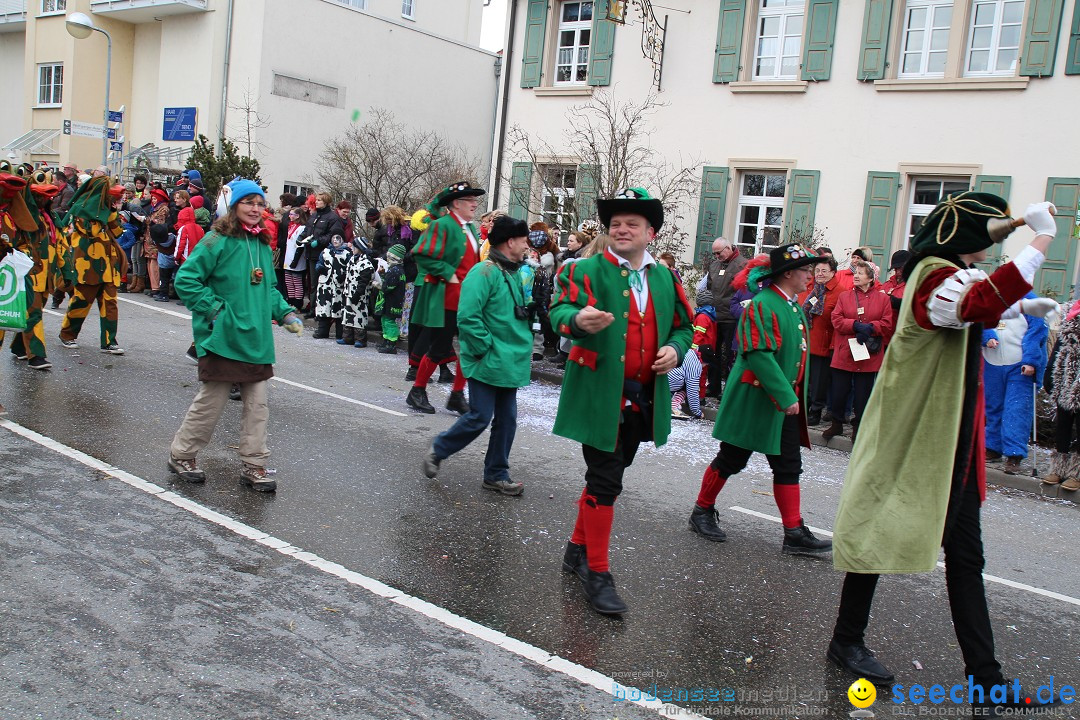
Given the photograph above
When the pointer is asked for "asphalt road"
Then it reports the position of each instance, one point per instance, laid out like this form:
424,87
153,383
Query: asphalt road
738,619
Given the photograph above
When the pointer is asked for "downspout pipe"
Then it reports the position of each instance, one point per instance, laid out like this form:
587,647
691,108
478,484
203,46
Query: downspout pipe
225,79
508,56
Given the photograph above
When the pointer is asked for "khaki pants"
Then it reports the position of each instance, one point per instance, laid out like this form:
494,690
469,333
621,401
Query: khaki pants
202,417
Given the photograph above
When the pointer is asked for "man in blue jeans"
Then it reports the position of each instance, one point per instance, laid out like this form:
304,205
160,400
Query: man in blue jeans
496,355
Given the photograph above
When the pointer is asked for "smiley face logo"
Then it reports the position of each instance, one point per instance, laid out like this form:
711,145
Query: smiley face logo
862,693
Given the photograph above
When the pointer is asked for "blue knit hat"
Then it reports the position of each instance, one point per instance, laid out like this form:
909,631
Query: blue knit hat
241,188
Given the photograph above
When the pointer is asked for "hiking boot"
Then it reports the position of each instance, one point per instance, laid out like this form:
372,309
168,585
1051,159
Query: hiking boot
575,561
113,349
600,589
837,428
800,541
69,344
506,486
39,363
1011,466
860,662
430,464
418,400
703,521
187,470
457,402
1071,484
1059,464
257,478
446,375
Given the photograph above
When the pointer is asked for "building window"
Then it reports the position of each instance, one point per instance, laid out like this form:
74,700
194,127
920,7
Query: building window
407,9
358,4
926,193
53,7
300,191
557,207
575,34
994,37
778,52
50,85
925,41
761,211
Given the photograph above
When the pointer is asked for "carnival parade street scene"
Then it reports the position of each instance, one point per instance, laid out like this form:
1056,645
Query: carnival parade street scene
539,359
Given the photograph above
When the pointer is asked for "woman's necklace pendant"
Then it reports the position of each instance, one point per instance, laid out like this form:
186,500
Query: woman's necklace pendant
256,276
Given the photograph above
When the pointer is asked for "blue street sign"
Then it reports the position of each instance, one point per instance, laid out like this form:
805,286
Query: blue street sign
179,123
118,146
116,116
112,133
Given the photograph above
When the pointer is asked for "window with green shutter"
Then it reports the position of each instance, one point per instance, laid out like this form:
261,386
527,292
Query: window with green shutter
729,41
873,54
710,225
801,205
1055,279
532,56
818,39
520,190
1072,59
603,45
999,185
879,212
586,192
1041,37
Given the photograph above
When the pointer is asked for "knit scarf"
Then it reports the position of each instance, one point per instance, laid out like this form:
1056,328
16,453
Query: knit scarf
815,301
1066,372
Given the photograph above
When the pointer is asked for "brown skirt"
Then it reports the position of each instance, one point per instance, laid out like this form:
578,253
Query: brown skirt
214,368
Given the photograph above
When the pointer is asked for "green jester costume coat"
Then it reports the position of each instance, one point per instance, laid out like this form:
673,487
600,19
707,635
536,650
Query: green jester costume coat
590,403
438,253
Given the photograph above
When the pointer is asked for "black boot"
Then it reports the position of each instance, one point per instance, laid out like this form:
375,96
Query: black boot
446,375
814,418
600,588
703,522
322,328
800,541
410,375
837,428
860,662
347,336
339,331
360,338
417,399
388,348
575,561
457,402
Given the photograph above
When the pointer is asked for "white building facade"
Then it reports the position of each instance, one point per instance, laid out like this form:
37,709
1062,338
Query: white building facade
307,68
850,118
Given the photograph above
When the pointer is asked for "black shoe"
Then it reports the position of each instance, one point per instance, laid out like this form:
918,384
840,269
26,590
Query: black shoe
992,454
814,418
703,522
457,402
446,375
600,588
234,393
551,353
430,464
860,662
800,541
505,486
39,363
1017,704
417,398
410,375
389,349
575,561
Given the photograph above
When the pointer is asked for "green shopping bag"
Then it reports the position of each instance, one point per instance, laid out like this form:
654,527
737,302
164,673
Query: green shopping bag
13,271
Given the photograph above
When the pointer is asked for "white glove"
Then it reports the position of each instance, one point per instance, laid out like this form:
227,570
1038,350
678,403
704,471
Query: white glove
1039,217
1038,307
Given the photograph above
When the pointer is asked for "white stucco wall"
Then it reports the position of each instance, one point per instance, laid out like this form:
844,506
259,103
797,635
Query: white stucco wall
12,49
453,19
841,127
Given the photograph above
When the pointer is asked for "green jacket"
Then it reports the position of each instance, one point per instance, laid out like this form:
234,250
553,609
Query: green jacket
496,346
772,340
590,403
438,253
215,284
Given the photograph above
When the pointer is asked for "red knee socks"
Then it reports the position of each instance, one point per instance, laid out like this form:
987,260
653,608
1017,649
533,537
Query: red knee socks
711,485
578,536
459,378
597,520
424,372
787,500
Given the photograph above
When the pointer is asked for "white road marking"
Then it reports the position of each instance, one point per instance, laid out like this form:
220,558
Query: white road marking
281,380
481,632
989,578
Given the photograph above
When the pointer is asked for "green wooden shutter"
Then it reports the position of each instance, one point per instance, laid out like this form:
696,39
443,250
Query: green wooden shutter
729,37
818,39
999,185
1072,59
879,212
801,204
877,21
1041,37
520,190
1055,278
586,192
532,56
602,45
710,221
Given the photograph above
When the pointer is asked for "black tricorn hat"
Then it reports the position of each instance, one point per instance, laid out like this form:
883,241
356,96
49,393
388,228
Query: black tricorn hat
635,201
457,190
789,257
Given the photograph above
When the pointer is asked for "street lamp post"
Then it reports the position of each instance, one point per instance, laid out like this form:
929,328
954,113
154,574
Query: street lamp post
80,26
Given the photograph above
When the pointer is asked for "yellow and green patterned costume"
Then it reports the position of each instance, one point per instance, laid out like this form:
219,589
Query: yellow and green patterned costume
39,245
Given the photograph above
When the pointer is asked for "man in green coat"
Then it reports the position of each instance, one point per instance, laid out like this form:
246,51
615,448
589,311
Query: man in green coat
496,356
631,324
444,255
763,408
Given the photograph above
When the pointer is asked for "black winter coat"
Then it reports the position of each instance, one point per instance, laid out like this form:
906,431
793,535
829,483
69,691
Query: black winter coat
322,226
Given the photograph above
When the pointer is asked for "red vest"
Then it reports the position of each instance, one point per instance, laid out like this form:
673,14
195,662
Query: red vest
641,342
453,290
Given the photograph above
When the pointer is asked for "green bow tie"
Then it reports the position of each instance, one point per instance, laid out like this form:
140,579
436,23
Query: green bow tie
635,280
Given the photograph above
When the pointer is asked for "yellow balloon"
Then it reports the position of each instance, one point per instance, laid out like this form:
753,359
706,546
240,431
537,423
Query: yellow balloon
862,693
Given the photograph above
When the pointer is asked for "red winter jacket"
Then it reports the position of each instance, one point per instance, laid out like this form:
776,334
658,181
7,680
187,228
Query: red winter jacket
876,310
704,336
821,327
188,235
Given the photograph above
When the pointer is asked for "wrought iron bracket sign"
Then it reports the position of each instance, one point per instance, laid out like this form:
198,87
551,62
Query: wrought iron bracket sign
653,32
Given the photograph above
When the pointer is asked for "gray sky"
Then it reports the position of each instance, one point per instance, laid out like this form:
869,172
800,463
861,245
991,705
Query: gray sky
491,32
